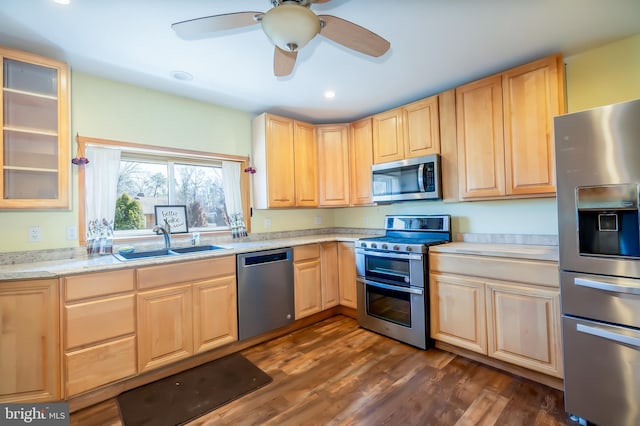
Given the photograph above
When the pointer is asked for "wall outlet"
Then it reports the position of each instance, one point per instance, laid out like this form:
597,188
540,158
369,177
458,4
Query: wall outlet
365,220
35,234
318,220
72,232
267,223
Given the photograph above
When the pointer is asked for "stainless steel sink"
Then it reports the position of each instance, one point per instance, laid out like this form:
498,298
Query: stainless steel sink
144,254
164,252
195,249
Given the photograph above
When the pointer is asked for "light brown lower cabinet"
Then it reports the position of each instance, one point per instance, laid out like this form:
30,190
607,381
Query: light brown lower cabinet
215,320
198,312
329,274
523,326
307,285
347,274
29,341
324,277
487,305
99,329
458,311
164,326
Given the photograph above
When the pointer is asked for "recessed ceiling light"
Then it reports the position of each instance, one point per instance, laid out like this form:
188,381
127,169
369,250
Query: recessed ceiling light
65,2
329,94
182,75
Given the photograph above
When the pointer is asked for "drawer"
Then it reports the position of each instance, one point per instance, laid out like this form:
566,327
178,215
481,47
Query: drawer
84,286
308,251
98,365
538,272
97,320
176,273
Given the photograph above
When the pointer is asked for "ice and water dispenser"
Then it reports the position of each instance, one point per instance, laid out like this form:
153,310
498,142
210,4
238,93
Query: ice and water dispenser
608,220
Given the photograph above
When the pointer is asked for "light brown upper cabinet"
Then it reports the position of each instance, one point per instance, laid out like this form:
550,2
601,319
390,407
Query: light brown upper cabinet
284,155
333,164
360,161
421,128
505,131
34,142
306,164
410,131
388,136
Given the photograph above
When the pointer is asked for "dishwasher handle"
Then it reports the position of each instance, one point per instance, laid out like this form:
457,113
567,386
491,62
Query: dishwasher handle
260,258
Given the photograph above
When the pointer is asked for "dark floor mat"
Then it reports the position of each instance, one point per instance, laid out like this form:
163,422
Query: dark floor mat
185,396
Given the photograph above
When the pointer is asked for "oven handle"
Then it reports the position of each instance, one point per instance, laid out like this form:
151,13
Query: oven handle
407,256
609,335
412,290
600,285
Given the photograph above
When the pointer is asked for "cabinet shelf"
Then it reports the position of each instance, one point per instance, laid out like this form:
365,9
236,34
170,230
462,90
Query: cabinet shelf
30,130
30,94
30,169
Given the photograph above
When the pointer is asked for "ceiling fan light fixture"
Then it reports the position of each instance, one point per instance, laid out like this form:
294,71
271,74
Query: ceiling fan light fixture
290,26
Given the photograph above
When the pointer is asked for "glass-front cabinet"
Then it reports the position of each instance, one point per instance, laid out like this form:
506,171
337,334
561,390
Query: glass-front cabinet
34,106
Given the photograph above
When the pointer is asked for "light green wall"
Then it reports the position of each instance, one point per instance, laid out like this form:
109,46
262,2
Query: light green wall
530,216
605,75
105,109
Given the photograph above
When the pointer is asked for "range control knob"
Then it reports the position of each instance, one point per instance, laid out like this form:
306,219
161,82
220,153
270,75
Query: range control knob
396,247
374,245
384,246
409,248
363,245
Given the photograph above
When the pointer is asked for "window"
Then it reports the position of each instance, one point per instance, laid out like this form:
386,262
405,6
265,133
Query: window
150,176
145,182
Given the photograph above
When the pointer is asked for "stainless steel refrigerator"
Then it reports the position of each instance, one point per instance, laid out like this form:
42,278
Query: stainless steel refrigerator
598,169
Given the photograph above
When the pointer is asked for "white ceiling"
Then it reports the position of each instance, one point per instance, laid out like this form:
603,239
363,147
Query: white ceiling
435,45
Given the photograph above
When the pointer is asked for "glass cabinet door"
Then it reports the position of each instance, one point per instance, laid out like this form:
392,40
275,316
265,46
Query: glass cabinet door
35,132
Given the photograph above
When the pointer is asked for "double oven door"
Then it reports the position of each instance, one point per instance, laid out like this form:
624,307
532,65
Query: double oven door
391,295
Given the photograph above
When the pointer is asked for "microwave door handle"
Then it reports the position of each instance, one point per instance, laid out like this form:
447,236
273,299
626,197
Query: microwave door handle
421,177
601,285
412,290
609,335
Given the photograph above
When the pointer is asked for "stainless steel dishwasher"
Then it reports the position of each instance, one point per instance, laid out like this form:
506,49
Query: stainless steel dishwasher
265,291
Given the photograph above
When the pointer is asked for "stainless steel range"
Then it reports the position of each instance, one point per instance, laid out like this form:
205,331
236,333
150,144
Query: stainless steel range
393,283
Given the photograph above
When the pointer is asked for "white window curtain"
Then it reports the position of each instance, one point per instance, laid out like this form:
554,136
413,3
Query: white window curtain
101,191
233,198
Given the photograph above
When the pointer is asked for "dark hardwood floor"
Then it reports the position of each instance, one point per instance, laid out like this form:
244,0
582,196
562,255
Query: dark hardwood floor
337,373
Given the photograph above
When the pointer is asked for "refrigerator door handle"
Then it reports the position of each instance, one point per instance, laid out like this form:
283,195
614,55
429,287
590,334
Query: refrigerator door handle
609,335
600,285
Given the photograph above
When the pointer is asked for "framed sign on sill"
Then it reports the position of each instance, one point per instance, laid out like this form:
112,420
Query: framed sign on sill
175,216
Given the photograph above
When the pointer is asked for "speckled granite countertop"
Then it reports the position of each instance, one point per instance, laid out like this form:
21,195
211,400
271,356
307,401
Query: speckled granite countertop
57,268
520,251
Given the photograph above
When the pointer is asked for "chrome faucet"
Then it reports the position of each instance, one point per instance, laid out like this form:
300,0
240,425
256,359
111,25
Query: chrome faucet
166,233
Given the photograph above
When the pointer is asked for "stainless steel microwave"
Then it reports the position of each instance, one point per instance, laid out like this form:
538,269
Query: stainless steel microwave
412,179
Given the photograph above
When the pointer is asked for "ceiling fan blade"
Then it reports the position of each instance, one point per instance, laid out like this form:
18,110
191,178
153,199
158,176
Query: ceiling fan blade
204,27
283,62
353,36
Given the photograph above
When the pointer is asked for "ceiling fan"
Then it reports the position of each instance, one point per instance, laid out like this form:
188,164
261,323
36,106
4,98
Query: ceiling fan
290,25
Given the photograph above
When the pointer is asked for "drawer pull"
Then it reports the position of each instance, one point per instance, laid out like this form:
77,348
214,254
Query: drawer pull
609,335
601,285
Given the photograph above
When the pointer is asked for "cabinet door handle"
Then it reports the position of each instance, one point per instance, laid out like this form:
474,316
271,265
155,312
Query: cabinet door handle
601,285
609,335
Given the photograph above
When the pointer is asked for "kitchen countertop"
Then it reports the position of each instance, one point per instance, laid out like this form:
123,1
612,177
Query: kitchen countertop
519,251
58,268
